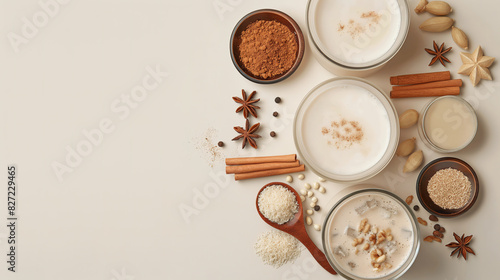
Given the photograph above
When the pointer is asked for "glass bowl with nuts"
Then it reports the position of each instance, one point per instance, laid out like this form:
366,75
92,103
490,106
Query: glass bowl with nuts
371,233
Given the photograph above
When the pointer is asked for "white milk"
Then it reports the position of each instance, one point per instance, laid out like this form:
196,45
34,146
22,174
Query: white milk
355,105
357,31
382,212
450,124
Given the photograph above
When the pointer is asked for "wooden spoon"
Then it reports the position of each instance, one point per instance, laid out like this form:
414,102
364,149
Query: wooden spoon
297,228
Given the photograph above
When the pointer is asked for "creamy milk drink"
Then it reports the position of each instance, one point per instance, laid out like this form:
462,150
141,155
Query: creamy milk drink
371,235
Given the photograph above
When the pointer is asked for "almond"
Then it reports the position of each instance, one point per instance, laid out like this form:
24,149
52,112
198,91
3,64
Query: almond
408,118
460,38
406,147
436,24
438,8
413,161
421,6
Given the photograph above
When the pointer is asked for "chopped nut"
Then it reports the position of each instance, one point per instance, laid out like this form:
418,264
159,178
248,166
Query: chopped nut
361,240
381,236
376,265
355,243
390,237
387,265
366,247
421,221
375,230
362,224
379,252
381,259
367,228
372,238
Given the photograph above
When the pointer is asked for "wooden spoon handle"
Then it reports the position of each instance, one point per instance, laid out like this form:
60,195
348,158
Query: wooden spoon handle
316,252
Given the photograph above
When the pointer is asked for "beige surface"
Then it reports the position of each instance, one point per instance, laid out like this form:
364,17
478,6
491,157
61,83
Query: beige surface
115,213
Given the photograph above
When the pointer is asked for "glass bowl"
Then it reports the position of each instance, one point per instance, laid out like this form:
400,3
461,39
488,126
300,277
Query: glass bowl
454,121
269,15
343,257
357,37
358,102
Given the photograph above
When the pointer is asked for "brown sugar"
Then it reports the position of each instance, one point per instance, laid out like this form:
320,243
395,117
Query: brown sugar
268,48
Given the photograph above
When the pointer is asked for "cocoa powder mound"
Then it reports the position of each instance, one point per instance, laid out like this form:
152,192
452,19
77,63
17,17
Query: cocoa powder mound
267,49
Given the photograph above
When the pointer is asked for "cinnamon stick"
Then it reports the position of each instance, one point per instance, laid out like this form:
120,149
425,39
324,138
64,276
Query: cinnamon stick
426,92
252,160
413,79
258,174
230,169
449,83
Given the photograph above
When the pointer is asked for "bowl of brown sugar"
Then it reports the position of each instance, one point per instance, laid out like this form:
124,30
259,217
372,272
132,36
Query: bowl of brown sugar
267,46
447,187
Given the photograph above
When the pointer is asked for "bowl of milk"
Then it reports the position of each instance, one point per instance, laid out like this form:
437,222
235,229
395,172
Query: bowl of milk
371,234
346,130
356,37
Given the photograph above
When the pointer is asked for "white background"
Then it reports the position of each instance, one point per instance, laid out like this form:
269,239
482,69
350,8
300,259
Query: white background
117,215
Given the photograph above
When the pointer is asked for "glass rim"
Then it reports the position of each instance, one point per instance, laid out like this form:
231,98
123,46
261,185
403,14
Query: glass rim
389,152
415,243
423,132
401,38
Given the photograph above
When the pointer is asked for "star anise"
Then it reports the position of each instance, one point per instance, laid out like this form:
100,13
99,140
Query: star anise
461,246
247,104
247,134
438,53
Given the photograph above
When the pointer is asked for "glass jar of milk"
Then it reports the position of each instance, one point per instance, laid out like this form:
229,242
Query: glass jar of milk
356,37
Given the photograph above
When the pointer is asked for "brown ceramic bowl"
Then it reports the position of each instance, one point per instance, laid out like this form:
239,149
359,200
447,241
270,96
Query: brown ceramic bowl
265,14
430,169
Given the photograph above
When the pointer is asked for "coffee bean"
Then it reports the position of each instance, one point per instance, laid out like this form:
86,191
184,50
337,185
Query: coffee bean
438,234
416,208
442,229
433,218
437,226
316,208
275,114
220,144
273,134
277,100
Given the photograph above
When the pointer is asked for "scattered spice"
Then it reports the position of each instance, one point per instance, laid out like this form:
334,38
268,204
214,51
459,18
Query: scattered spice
461,246
273,134
438,53
449,188
275,114
277,100
247,134
438,234
206,144
343,133
422,221
317,208
416,208
433,218
355,27
268,48
437,227
220,144
442,229
409,199
247,104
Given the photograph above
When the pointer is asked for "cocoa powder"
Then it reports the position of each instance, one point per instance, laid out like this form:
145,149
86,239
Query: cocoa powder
268,48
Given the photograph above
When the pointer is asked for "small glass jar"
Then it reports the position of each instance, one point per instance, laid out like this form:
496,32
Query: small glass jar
356,37
447,124
333,230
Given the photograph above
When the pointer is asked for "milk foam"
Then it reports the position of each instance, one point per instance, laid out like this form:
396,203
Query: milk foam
353,104
357,31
